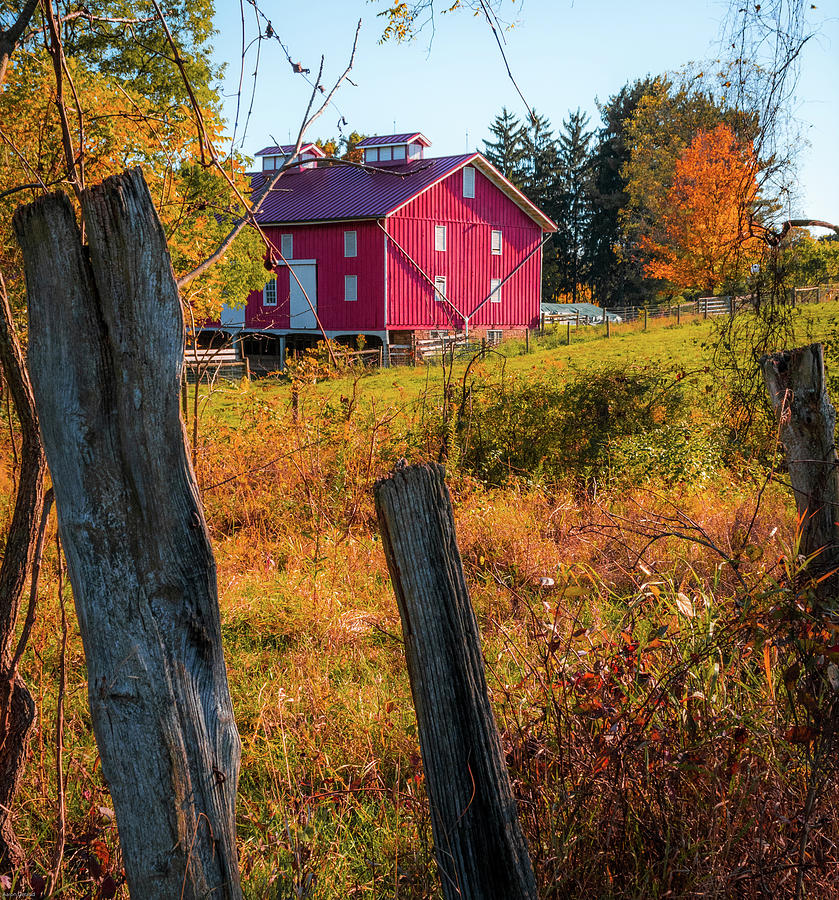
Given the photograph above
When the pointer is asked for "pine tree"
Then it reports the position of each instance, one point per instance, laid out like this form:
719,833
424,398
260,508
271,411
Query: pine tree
574,207
508,151
540,185
613,261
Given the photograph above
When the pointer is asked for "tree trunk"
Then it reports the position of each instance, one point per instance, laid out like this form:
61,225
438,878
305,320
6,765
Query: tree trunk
795,380
480,849
105,355
17,708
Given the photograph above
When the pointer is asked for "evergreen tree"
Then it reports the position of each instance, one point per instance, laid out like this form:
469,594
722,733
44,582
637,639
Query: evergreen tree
612,260
508,151
540,184
574,200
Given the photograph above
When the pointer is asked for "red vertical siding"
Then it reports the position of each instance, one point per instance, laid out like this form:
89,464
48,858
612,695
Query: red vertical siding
467,261
325,244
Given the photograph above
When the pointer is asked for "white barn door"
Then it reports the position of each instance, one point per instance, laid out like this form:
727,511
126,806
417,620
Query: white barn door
301,315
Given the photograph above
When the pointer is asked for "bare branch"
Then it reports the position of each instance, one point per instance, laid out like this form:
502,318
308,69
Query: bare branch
253,208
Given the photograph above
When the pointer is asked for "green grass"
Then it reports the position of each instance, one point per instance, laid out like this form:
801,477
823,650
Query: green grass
689,346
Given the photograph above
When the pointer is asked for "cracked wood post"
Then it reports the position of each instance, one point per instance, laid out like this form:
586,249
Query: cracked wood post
480,849
795,380
105,357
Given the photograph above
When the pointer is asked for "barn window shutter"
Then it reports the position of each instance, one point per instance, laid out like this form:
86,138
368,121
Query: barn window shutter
495,289
440,237
350,243
440,287
287,246
350,287
269,293
468,181
496,243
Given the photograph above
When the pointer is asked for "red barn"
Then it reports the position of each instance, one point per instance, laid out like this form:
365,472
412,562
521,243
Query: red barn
414,247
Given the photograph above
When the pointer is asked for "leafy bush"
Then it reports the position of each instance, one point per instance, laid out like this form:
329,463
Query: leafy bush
606,424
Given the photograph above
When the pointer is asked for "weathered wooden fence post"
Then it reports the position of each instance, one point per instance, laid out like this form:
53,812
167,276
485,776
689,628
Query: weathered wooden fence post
795,380
105,356
480,849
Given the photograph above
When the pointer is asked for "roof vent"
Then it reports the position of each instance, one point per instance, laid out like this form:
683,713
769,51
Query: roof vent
274,158
387,149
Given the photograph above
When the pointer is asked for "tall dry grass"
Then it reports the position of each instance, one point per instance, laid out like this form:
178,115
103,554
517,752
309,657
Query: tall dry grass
660,674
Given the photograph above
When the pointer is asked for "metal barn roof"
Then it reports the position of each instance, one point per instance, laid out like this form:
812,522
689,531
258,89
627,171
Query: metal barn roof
335,191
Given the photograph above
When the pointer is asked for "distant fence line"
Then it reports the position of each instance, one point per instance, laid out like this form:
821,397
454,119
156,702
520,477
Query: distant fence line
206,364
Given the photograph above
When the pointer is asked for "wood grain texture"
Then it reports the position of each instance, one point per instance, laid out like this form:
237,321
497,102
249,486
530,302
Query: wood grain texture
795,381
105,357
480,849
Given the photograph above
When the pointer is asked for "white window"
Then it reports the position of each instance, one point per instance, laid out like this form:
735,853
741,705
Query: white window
496,243
440,238
495,290
350,287
494,336
350,243
287,246
269,292
384,153
468,182
399,152
414,151
440,287
371,155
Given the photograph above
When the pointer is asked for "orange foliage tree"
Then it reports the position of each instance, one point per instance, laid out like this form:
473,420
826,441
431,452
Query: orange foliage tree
703,238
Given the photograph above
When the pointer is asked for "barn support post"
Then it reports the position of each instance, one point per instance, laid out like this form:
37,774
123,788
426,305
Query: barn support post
480,849
795,381
106,368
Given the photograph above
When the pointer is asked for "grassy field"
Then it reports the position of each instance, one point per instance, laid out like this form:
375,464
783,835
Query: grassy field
664,708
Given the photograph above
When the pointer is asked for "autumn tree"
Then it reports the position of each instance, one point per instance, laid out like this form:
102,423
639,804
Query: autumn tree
667,117
78,101
704,238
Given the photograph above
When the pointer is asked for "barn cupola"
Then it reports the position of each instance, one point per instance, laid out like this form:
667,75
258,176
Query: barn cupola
389,149
274,158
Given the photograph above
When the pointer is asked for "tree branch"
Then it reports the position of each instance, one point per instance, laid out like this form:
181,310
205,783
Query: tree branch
10,38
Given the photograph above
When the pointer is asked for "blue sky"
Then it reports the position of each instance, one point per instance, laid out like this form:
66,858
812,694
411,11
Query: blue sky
564,54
